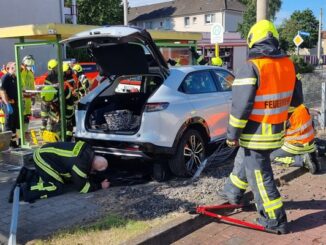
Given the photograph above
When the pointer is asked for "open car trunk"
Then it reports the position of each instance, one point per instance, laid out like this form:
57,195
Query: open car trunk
118,109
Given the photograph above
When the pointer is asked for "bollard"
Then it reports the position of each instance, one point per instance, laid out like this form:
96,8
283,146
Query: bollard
14,217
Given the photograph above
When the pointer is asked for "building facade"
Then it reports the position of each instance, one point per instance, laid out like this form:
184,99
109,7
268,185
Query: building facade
30,12
198,16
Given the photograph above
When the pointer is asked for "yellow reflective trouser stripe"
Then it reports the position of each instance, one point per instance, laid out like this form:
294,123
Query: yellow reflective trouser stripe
237,123
245,81
238,182
272,205
44,114
268,205
67,175
40,186
79,172
298,149
70,107
285,160
85,188
46,167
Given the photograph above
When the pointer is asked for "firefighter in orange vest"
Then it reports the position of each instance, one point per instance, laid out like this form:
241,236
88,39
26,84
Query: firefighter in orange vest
262,92
299,148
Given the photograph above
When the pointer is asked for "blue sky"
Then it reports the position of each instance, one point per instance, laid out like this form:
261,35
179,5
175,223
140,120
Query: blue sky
288,7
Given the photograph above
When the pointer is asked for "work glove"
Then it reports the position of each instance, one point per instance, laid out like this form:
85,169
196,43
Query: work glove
232,143
9,109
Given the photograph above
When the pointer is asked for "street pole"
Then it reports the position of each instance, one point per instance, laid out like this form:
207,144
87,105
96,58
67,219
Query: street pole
74,11
125,12
262,8
319,36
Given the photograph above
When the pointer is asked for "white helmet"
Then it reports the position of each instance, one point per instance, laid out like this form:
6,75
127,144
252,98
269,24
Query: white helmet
28,60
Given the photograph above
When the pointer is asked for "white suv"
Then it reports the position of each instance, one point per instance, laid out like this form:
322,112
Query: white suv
163,113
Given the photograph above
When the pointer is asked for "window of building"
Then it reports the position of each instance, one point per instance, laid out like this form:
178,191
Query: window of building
209,18
198,83
187,21
194,20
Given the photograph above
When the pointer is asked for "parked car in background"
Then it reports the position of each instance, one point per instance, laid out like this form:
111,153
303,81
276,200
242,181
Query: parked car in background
89,68
171,113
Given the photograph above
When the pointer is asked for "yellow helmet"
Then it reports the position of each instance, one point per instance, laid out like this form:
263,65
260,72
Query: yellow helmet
48,93
217,61
77,68
52,64
65,67
260,31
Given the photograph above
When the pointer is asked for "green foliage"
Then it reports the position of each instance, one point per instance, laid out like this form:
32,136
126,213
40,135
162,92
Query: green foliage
300,65
299,21
249,16
100,12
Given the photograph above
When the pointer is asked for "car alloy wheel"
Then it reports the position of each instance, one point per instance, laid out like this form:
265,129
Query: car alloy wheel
194,153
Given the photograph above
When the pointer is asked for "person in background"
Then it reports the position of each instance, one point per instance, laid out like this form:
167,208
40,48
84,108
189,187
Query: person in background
217,61
27,79
299,148
9,96
52,76
83,85
199,59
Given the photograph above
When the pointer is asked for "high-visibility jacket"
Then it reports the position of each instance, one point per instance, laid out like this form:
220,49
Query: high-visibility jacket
299,137
67,162
27,78
273,96
262,93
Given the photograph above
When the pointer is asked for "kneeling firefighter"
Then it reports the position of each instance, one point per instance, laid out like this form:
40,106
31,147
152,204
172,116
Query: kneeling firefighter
262,92
299,142
58,164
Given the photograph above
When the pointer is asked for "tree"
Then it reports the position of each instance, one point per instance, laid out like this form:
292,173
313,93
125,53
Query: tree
100,12
299,21
249,16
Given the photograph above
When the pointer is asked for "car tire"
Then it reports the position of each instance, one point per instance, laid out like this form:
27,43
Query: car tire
190,153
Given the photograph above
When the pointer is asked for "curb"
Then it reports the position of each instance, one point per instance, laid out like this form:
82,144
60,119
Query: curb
180,227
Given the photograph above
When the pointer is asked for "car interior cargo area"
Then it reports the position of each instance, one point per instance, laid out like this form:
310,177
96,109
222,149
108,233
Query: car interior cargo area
118,109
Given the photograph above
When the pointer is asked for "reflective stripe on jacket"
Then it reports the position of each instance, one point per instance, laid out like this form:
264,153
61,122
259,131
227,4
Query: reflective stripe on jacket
274,93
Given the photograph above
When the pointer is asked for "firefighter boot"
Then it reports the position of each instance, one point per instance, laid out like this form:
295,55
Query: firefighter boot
309,164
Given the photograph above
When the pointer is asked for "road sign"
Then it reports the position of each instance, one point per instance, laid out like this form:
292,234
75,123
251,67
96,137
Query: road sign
297,40
303,33
217,33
